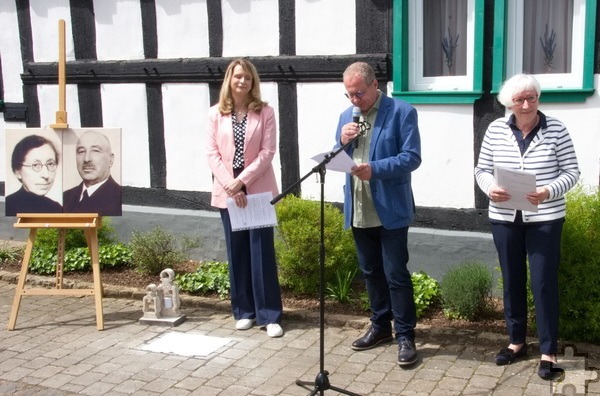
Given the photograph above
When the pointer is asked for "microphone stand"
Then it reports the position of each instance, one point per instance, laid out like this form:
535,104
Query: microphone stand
321,383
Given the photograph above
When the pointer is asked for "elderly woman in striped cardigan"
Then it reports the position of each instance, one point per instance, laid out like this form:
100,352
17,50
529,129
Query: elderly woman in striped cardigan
530,141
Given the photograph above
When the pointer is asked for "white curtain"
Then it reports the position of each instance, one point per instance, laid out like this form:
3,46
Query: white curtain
547,36
445,25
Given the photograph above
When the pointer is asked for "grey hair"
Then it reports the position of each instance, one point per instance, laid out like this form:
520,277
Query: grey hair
362,69
515,85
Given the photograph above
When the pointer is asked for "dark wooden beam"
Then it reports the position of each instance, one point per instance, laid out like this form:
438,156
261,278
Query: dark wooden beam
278,69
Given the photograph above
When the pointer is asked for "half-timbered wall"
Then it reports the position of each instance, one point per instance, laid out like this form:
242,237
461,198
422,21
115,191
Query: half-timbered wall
153,68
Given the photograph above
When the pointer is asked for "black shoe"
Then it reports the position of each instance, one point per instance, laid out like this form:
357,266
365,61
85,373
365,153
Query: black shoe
407,352
507,355
548,372
371,339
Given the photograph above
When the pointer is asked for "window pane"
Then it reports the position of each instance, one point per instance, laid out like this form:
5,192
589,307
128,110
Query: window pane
445,37
547,36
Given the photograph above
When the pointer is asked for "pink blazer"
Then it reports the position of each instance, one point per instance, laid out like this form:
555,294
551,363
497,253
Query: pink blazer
259,148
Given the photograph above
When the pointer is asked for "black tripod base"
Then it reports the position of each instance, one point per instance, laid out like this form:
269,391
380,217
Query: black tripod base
322,384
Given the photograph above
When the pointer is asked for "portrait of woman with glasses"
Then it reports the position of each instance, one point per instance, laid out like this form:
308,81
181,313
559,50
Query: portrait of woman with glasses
34,162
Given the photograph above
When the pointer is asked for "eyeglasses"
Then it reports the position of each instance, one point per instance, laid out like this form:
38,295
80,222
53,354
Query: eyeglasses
37,166
529,99
357,94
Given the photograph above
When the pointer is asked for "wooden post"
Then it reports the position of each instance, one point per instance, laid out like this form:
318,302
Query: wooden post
90,223
61,114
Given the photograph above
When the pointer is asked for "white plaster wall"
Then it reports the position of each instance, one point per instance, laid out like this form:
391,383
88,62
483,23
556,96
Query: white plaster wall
48,99
319,107
45,15
182,28
118,29
325,27
185,107
10,56
250,27
445,177
124,106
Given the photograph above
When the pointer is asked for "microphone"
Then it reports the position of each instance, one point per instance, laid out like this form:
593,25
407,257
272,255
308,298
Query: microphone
355,118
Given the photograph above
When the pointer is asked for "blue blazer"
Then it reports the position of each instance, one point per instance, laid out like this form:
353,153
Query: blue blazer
395,152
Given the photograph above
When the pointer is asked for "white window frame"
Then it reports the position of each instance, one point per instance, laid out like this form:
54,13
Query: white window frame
514,49
416,80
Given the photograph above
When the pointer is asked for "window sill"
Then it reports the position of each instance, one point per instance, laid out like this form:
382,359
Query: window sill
440,97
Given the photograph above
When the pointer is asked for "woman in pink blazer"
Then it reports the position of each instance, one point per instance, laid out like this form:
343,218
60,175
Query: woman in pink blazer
241,143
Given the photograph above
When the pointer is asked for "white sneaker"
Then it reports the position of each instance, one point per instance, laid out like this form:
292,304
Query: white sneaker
244,324
274,330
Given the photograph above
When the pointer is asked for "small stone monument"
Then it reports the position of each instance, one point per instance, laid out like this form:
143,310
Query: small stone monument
161,303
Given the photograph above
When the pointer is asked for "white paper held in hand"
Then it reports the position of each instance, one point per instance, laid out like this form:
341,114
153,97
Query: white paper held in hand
258,212
518,183
340,163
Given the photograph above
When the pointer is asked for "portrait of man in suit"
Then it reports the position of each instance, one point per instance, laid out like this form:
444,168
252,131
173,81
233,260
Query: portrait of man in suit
98,192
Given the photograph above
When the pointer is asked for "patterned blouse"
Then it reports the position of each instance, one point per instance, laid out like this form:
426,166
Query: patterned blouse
239,134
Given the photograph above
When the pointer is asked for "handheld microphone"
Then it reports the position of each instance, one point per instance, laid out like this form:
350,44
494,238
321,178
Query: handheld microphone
356,118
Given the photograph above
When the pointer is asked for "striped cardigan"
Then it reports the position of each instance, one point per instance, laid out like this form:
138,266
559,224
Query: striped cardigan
551,156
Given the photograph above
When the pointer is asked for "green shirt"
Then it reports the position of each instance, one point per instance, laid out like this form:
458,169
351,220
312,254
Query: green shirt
365,215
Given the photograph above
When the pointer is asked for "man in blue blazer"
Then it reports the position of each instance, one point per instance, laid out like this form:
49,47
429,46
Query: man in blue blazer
379,204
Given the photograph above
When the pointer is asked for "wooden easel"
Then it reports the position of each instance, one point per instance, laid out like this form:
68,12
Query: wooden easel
90,223
61,114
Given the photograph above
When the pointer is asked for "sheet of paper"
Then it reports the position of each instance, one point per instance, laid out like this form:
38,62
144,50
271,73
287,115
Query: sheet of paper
340,163
258,213
518,183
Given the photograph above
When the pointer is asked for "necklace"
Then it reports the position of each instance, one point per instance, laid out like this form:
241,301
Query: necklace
526,129
240,113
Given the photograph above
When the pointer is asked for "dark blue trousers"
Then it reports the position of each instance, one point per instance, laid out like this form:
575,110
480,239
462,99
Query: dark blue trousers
383,260
255,291
540,243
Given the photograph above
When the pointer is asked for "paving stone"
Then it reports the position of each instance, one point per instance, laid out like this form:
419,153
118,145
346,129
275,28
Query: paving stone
57,350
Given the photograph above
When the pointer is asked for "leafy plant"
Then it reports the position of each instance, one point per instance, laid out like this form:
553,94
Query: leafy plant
44,262
47,238
578,275
9,253
156,250
466,290
364,300
297,245
209,277
341,289
426,291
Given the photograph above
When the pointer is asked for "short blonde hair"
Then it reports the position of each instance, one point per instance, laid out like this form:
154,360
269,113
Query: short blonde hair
515,85
226,99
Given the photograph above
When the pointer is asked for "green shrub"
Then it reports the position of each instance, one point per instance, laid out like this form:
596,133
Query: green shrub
426,291
578,275
210,277
155,250
466,290
297,244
